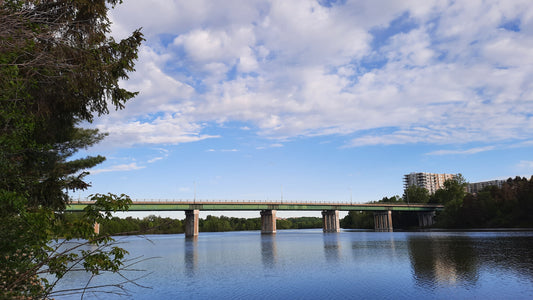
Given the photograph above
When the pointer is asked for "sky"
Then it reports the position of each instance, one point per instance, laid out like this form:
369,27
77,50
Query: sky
317,100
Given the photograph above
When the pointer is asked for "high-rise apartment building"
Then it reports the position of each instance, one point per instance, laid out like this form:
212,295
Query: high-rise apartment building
429,181
477,186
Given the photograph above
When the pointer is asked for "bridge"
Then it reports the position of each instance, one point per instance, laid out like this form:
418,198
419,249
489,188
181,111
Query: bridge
268,209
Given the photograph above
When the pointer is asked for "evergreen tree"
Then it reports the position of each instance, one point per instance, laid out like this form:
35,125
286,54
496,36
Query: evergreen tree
58,68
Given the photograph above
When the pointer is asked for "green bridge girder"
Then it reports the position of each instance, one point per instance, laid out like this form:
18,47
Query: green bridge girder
254,206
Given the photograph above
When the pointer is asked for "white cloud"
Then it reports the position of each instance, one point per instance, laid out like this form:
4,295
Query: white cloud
526,165
223,150
451,73
158,91
153,160
166,130
163,154
118,168
467,151
522,144
275,145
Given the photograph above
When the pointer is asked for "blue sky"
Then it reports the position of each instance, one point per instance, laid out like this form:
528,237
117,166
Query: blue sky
318,100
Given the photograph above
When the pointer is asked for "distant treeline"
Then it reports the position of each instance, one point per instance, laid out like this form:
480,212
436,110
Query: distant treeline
509,206
158,225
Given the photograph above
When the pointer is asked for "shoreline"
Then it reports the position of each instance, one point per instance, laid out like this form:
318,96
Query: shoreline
369,230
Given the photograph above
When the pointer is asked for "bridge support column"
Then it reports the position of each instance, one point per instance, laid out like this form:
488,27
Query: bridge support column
426,218
383,221
97,228
330,221
191,223
268,221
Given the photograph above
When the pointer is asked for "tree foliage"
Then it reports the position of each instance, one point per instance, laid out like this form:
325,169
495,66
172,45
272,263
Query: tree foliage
58,68
365,219
158,225
454,190
416,194
358,220
148,225
451,196
393,199
492,207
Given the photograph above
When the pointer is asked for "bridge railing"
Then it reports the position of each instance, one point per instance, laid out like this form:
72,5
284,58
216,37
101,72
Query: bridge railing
242,201
221,201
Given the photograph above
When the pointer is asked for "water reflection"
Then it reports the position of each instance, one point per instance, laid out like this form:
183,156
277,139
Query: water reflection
511,253
443,260
307,264
371,245
332,248
268,250
191,255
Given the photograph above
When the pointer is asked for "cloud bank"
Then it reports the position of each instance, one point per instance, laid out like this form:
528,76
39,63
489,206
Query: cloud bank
379,72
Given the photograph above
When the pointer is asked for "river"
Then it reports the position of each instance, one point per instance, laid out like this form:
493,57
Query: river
309,264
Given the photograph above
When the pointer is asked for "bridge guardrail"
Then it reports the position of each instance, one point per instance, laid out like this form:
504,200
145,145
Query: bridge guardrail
279,202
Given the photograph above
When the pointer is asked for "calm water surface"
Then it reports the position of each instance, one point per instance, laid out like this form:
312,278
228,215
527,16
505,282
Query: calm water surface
308,264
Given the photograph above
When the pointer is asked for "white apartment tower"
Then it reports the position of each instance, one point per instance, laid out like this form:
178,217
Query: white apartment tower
430,181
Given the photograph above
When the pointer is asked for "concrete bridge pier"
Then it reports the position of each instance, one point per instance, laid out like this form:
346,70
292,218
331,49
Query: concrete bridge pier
268,221
97,228
383,221
330,221
191,223
426,218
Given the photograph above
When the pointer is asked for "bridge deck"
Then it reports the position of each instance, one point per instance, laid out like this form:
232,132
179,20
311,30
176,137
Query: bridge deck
259,205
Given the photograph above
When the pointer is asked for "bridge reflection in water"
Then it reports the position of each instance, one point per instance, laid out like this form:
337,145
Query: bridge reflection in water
269,251
191,256
268,209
